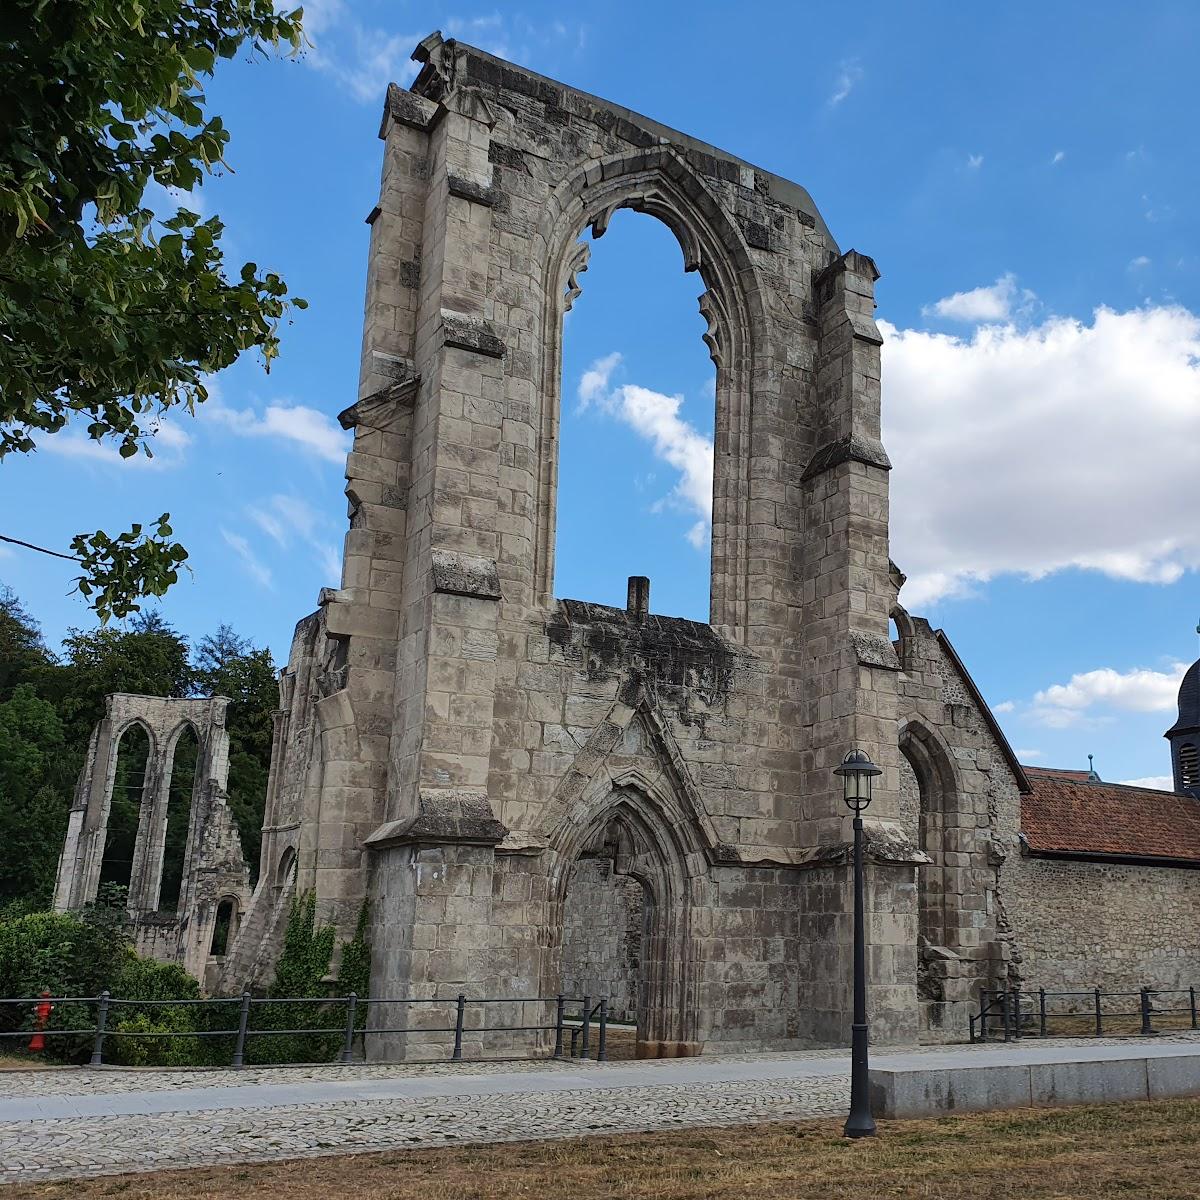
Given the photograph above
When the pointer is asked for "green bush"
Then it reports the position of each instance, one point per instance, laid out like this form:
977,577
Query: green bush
304,971
81,956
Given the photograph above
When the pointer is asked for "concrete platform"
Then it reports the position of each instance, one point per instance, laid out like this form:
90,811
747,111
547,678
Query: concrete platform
1016,1076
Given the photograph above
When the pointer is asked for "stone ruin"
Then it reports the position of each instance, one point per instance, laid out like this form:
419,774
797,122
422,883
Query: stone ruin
196,928
539,795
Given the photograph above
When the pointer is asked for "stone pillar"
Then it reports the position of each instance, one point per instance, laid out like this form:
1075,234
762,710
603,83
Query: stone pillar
852,668
431,248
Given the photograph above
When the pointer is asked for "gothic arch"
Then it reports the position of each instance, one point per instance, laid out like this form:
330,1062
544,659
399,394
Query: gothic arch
655,851
100,813
286,868
658,182
590,779
126,727
169,890
933,765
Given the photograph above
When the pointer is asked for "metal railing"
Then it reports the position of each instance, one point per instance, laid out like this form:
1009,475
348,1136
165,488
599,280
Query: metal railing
352,1027
1011,1013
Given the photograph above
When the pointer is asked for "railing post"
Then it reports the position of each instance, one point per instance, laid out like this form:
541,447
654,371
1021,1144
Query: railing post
558,1026
983,1013
1099,1017
1006,1012
460,1011
101,1023
1017,1021
1041,1012
1147,1030
587,1023
348,1042
239,1047
1192,1004
602,1049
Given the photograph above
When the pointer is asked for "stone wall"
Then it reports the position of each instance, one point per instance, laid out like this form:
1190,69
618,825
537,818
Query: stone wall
1107,925
960,802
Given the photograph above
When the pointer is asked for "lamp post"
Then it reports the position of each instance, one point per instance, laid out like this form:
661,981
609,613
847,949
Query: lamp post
857,771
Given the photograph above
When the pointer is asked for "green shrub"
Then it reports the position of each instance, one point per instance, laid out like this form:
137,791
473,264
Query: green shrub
303,971
81,956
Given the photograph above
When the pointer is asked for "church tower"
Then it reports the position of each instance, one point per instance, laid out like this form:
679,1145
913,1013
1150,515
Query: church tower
1184,735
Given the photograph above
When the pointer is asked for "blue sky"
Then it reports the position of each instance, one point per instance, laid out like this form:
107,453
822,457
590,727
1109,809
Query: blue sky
1025,179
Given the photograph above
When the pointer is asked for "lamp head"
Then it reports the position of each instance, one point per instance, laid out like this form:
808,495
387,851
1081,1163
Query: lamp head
857,771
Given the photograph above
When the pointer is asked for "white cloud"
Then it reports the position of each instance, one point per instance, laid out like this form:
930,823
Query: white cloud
593,383
1141,690
164,438
981,304
849,75
361,58
1032,450
974,161
1137,264
1028,755
167,201
255,567
288,520
304,426
1159,783
284,516
677,442
329,559
1059,155
1006,706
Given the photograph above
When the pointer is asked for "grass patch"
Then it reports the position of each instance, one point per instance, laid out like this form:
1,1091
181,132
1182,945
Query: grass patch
1103,1152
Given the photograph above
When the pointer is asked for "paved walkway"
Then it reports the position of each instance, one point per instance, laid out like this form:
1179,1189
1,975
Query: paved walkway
95,1122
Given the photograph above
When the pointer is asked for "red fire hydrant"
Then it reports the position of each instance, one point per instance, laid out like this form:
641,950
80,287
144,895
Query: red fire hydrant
43,1009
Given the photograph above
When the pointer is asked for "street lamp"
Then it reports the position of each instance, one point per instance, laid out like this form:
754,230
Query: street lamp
857,771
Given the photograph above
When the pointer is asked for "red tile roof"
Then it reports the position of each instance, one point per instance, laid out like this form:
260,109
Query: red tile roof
1080,776
1064,814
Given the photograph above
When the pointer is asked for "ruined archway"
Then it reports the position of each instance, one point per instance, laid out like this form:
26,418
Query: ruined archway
128,794
635,424
182,761
630,832
932,809
658,182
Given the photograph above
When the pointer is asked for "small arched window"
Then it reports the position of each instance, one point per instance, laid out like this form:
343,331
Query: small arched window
287,864
224,927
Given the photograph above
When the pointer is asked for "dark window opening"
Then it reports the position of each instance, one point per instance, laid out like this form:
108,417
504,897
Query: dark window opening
223,927
124,813
179,814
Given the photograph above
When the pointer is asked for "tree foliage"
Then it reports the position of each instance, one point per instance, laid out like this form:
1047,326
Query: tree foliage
109,316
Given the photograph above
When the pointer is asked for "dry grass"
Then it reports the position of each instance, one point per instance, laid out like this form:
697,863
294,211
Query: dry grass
21,1062
1083,1024
1111,1152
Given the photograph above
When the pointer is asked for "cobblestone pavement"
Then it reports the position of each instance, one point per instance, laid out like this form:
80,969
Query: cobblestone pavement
141,1120
72,1147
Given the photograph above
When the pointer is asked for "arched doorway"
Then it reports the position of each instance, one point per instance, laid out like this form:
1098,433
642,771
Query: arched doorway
624,903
